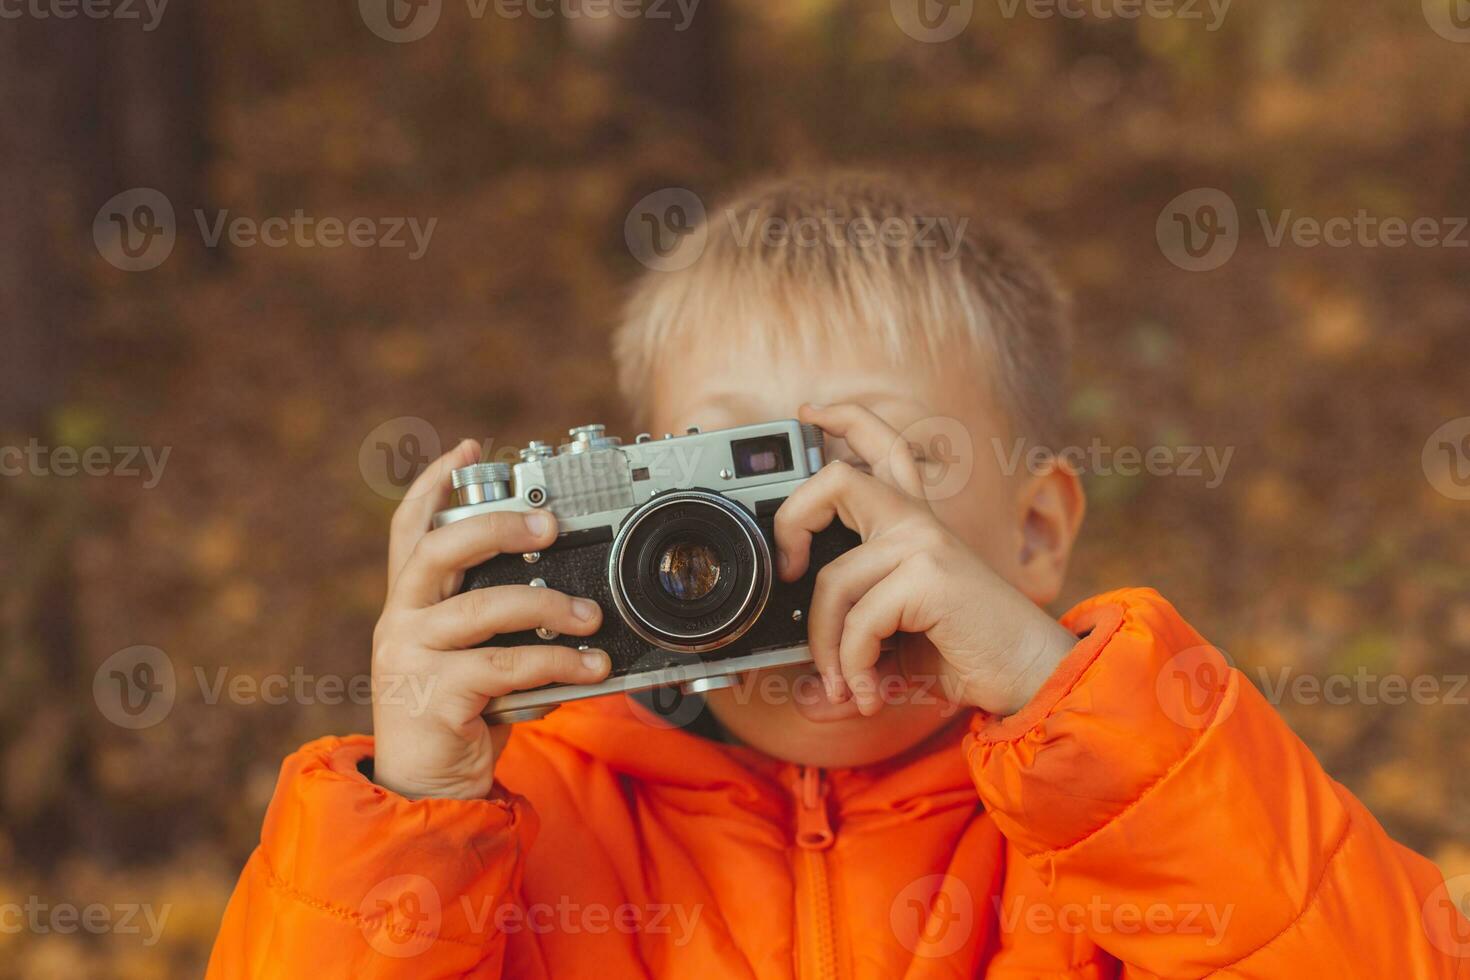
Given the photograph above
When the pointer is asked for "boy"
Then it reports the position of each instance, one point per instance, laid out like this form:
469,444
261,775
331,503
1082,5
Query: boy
835,830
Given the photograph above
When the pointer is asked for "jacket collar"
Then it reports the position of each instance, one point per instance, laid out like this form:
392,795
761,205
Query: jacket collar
633,743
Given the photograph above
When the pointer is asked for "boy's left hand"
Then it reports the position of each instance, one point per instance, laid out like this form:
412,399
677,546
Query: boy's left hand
992,646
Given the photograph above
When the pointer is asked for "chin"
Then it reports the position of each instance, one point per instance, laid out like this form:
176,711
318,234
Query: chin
784,714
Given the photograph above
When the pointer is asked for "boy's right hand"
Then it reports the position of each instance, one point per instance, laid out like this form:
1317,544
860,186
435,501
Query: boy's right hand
425,640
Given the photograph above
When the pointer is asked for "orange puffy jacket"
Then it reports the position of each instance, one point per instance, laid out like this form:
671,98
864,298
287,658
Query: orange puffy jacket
1120,830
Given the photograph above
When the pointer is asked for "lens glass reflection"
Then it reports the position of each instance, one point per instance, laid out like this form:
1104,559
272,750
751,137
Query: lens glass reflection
688,570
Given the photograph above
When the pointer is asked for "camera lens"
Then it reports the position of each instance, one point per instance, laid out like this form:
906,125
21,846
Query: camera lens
688,570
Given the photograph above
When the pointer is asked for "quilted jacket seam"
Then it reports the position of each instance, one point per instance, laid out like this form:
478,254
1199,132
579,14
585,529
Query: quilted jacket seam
279,884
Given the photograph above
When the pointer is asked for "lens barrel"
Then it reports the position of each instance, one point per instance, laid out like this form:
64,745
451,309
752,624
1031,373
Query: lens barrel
689,571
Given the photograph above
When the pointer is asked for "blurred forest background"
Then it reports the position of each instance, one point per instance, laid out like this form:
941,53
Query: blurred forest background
263,371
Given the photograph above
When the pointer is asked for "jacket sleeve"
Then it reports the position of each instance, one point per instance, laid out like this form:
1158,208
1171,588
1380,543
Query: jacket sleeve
353,880
1175,818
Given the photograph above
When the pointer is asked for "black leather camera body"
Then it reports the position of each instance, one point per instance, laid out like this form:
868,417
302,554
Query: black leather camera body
673,538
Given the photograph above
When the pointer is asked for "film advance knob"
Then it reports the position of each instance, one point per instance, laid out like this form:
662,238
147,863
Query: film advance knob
480,482
586,438
814,441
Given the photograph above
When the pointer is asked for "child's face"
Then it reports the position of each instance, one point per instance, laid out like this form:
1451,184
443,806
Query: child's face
787,715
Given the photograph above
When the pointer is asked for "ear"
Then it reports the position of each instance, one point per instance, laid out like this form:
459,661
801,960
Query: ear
1051,504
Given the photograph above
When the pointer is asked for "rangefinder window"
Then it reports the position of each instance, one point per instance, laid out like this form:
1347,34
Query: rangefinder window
762,455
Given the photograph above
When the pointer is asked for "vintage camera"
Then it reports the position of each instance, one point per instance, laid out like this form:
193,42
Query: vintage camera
673,539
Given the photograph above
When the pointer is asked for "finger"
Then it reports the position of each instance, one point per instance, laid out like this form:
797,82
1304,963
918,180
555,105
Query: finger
473,617
426,495
839,586
838,491
887,453
496,671
893,605
449,550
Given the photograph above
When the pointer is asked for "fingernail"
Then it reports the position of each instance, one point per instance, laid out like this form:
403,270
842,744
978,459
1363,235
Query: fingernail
830,684
815,407
538,522
594,660
584,608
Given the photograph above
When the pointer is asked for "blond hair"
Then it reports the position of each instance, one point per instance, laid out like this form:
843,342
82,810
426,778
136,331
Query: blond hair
799,263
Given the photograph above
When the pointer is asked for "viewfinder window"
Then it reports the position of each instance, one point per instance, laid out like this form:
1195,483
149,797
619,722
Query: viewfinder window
762,455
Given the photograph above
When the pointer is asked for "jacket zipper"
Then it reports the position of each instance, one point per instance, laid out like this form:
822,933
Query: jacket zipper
817,923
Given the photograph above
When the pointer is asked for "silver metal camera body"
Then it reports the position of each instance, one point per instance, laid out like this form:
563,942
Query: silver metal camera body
672,537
